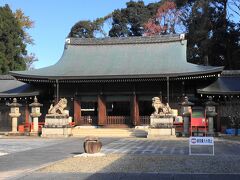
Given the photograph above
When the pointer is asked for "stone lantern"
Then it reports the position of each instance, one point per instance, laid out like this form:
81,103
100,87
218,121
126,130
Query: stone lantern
186,110
210,108
35,113
14,114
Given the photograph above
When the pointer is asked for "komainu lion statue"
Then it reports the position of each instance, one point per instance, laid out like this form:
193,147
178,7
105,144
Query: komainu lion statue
59,107
159,107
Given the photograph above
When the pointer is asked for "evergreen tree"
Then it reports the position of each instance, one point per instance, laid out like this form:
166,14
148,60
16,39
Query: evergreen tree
12,47
89,29
130,21
212,37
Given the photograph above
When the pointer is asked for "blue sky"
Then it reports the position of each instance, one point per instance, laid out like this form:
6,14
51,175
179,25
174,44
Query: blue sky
54,19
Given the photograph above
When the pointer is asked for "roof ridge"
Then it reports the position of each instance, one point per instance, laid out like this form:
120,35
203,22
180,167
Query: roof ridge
125,40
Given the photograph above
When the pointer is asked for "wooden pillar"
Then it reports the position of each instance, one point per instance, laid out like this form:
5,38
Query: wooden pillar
135,110
167,89
102,111
218,128
77,112
26,114
57,91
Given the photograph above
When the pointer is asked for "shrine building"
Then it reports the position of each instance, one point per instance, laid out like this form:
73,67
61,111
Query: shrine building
110,82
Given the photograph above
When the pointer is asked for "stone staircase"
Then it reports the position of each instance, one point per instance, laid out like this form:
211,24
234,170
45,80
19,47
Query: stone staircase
108,132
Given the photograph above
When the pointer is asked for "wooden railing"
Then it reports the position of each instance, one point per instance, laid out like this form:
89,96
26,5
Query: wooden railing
144,120
118,119
91,120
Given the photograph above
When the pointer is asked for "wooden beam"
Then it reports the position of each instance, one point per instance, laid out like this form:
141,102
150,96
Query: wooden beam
102,111
77,112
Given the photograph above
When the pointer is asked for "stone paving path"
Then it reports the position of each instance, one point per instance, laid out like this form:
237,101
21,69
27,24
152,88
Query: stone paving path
165,147
8,146
27,154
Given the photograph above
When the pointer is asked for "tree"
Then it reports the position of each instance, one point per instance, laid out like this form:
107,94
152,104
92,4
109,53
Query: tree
130,21
230,110
234,5
12,47
127,21
213,34
26,23
213,38
29,60
165,20
82,29
89,29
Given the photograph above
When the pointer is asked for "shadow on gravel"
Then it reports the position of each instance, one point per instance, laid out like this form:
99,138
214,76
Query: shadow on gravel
161,176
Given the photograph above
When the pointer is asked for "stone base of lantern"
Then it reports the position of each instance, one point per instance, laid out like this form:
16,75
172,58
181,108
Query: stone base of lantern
14,134
56,132
34,134
160,132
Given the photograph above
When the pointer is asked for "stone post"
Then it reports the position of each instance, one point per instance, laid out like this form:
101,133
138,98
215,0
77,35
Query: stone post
210,108
35,113
186,110
14,114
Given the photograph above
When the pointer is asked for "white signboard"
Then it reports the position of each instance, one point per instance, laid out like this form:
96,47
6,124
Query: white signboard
201,141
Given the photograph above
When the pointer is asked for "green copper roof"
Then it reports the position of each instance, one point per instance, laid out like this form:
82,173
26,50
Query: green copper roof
10,87
223,86
136,57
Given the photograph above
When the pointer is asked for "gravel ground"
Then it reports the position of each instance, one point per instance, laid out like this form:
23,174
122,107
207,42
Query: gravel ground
124,163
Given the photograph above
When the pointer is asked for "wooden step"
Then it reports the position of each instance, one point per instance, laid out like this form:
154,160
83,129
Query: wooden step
109,132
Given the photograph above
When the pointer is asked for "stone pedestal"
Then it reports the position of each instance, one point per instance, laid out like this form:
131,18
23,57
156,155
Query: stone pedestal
57,125
14,124
161,126
35,124
56,132
210,126
161,122
186,126
57,121
159,132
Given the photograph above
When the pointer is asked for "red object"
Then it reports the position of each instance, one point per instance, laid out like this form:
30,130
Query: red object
27,127
199,123
72,124
40,125
21,128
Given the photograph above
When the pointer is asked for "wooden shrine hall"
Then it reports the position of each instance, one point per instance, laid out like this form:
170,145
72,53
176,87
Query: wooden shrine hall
111,81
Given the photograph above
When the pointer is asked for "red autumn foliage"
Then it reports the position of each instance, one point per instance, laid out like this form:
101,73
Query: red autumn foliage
164,20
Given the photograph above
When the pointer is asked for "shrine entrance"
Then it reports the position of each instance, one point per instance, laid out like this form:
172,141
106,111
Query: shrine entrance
118,110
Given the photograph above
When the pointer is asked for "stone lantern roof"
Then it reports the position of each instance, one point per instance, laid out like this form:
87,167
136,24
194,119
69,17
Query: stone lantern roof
14,103
35,103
